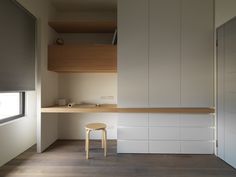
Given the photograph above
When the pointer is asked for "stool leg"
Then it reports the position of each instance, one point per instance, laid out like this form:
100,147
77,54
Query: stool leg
85,147
102,139
105,142
87,143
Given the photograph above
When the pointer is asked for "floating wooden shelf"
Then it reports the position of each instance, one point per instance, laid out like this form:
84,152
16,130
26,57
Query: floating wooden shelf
82,58
115,109
84,26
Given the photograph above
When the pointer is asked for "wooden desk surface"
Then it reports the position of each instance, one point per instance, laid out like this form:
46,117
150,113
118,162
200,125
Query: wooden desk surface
112,108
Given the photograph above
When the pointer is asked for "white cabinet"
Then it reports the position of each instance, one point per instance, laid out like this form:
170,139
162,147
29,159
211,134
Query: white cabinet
165,147
165,59
132,146
133,53
197,147
181,62
165,53
165,133
164,120
132,133
197,53
185,133
196,133
133,120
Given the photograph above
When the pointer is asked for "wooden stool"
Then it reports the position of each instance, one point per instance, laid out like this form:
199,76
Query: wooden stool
94,127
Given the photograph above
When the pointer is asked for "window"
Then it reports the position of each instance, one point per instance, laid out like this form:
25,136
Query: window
11,106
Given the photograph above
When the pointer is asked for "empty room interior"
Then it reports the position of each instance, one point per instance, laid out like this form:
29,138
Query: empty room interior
118,88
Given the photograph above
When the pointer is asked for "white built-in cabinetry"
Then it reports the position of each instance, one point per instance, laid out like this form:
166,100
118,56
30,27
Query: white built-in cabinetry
197,46
164,53
133,53
165,59
165,133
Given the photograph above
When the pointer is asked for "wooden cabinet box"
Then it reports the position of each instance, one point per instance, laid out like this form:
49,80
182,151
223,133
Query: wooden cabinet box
82,58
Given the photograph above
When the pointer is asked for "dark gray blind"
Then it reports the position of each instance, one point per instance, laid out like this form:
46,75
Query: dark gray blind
17,48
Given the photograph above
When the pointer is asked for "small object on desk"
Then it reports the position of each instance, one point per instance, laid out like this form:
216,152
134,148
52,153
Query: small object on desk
59,41
70,105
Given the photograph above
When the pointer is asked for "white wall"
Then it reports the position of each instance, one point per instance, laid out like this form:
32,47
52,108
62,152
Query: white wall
18,135
224,11
90,88
46,81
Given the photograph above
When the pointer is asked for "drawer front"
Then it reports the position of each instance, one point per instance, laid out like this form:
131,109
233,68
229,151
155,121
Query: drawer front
197,147
206,134
172,147
128,146
197,120
133,133
164,133
164,120
133,120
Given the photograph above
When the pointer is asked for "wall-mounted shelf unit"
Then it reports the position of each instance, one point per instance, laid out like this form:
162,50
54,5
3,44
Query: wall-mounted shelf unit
83,26
82,58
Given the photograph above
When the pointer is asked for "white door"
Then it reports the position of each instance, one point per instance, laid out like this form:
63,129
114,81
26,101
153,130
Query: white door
226,102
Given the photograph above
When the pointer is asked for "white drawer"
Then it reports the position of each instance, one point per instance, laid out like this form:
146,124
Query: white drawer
128,146
172,147
197,120
197,133
164,133
164,120
197,147
132,133
133,120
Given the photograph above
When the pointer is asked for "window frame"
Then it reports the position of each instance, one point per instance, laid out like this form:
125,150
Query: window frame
22,109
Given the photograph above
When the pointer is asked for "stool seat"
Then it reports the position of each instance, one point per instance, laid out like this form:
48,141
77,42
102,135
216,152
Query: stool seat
95,126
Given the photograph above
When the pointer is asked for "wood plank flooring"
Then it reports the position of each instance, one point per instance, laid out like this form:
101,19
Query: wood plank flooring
67,159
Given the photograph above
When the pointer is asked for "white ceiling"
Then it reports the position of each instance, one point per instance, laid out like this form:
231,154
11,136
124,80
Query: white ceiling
85,5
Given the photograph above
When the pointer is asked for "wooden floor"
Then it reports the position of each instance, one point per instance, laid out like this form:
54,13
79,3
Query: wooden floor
67,159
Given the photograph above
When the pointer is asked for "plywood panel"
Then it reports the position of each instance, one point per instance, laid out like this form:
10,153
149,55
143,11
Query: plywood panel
83,26
82,58
114,108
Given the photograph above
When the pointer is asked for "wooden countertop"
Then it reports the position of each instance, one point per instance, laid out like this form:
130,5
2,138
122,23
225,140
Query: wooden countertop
112,108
